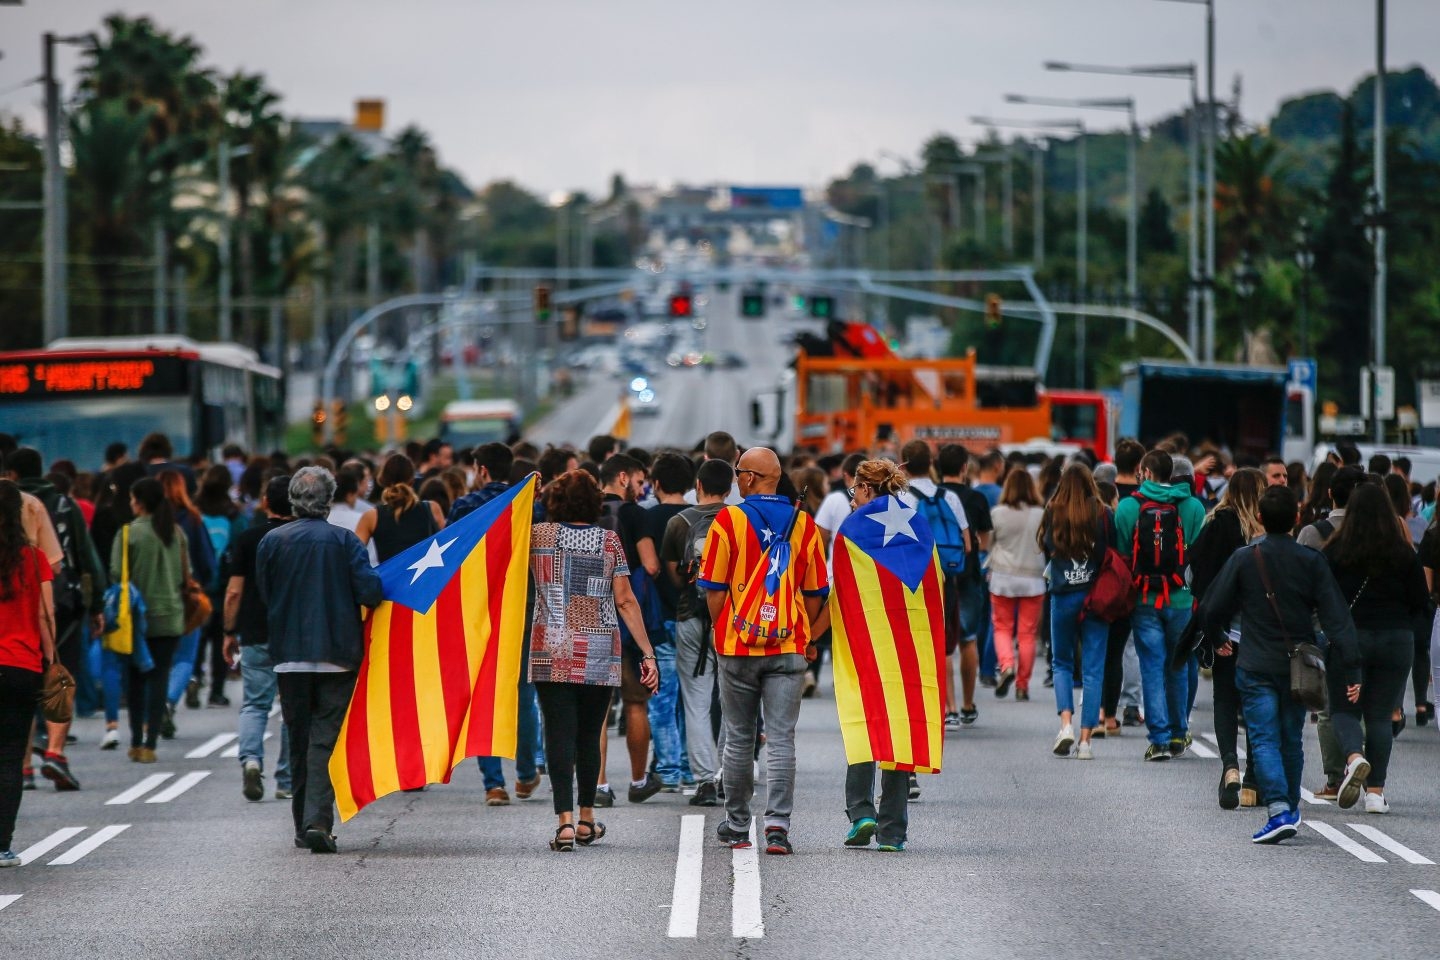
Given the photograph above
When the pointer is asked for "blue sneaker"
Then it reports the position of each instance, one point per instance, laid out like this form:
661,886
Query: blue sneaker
1282,826
862,831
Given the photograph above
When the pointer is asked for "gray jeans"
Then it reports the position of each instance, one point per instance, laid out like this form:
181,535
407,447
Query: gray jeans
1130,686
697,694
894,800
748,684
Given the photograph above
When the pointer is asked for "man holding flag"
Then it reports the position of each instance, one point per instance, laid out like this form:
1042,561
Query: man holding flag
888,626
764,573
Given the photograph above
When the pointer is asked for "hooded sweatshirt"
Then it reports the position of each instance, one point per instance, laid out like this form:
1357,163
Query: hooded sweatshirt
1192,518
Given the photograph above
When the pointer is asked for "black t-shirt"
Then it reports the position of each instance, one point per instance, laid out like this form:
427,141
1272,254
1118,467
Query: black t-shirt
657,518
977,513
239,561
630,525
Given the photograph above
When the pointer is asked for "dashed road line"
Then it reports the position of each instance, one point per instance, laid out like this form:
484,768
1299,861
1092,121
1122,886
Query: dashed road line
689,866
746,919
139,790
89,844
1381,839
211,745
1310,798
8,898
1428,896
1204,751
178,787
38,850
1340,840
233,751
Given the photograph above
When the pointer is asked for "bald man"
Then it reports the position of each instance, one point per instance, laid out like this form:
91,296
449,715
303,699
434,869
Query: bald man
764,570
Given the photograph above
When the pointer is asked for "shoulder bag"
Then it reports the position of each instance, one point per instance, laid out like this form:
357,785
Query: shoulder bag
57,690
1307,661
194,598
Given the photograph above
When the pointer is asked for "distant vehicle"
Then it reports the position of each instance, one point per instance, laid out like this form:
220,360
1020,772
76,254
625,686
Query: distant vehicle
645,404
1424,461
730,360
470,423
1086,418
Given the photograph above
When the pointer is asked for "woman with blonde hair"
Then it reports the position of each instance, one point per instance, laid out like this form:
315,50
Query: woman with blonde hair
1017,581
402,519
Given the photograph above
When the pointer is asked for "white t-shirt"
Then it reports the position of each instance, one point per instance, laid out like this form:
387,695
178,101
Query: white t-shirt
348,518
733,500
926,487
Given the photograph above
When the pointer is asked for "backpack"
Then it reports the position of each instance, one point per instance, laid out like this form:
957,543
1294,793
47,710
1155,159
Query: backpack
1112,594
219,530
698,523
647,591
949,538
69,586
1326,529
1158,551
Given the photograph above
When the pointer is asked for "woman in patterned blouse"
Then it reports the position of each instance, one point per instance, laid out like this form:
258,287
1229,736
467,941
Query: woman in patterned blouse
581,583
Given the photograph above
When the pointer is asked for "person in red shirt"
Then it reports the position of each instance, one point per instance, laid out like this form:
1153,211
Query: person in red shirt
26,608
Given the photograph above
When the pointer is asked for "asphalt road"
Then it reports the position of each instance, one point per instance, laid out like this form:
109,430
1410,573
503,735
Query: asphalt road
1012,853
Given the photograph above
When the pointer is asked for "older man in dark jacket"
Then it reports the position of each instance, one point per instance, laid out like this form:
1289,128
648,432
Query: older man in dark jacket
1277,587
314,577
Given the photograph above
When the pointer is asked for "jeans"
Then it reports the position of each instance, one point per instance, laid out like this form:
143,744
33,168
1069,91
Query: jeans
257,685
182,666
314,706
574,723
697,696
18,690
1015,622
146,696
1117,638
112,683
527,732
1167,692
1065,624
894,809
665,718
1385,659
1275,729
748,685
1130,686
87,681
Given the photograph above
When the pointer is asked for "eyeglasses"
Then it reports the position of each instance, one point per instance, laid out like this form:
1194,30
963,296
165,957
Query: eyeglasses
757,473
857,486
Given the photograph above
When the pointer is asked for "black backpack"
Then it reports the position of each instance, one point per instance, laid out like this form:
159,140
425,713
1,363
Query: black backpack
698,522
69,585
647,591
1158,551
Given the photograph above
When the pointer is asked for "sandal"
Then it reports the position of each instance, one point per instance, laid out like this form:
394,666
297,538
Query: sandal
596,832
563,844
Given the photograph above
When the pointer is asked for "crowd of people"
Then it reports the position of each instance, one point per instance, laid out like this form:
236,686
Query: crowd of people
681,596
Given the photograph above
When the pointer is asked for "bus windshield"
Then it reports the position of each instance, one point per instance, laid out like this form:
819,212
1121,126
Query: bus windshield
72,427
474,433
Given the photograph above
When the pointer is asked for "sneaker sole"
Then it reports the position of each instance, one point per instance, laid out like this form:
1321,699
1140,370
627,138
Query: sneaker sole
1002,687
862,836
1276,835
319,842
778,851
1062,746
1353,785
62,782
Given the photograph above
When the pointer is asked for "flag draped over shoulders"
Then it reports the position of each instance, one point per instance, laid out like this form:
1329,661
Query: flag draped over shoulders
439,682
888,629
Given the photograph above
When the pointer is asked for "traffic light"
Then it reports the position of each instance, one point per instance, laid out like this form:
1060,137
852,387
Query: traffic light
752,305
317,424
992,310
681,306
342,422
542,304
822,308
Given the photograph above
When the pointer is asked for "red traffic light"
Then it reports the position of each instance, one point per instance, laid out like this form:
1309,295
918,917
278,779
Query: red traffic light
681,305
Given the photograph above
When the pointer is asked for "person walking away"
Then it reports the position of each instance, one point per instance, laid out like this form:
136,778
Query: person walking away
680,551
582,589
1412,525
765,574
112,513
1154,530
1382,580
313,579
222,522
973,604
1074,535
202,569
349,508
27,643
833,511
1233,523
1277,588
157,548
402,519
247,640
1017,581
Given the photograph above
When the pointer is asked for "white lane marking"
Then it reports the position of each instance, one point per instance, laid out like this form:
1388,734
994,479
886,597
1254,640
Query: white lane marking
274,711
233,751
89,844
689,866
211,745
1381,839
179,787
1204,751
1309,797
140,789
38,850
1239,751
1428,896
1344,842
8,898
746,918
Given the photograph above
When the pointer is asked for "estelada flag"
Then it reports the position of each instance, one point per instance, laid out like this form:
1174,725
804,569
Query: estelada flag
439,682
887,623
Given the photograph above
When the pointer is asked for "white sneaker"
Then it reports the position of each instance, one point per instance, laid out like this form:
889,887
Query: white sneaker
1354,783
1064,741
1084,752
1376,803
111,740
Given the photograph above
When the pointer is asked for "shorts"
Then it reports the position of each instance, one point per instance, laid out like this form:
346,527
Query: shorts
631,689
964,608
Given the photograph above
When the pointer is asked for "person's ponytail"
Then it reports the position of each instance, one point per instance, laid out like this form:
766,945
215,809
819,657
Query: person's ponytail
151,496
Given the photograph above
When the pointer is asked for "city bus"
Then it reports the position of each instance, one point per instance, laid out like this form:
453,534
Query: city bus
72,399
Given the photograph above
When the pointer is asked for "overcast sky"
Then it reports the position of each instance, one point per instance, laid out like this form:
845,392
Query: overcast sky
561,93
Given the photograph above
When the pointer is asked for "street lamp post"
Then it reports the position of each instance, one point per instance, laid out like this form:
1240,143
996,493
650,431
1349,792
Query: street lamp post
1246,285
1305,260
1381,276
1374,223
56,245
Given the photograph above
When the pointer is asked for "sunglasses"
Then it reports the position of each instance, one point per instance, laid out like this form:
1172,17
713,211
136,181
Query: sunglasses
755,472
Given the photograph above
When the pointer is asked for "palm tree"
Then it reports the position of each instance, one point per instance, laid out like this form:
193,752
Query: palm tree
1249,195
251,122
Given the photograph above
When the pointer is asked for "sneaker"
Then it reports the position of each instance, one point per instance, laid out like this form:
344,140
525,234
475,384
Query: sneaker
497,797
1002,682
1022,694
1282,826
646,790
167,725
111,740
319,841
525,789
1131,717
706,795
27,778
1157,752
811,684
1084,751
969,715
1354,783
1177,748
669,787
284,793
252,785
986,680
56,769
1064,740
219,702
1376,803
862,831
192,694
891,847
9,858
914,793
604,797
777,842
952,720
736,839
1328,792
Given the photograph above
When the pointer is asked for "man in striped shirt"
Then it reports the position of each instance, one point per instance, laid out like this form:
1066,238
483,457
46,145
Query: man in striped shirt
764,570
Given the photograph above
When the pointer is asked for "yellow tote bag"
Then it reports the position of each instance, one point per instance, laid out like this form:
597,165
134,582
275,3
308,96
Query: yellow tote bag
121,640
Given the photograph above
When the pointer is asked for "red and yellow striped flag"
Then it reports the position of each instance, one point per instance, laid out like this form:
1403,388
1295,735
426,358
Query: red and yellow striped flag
887,622
439,682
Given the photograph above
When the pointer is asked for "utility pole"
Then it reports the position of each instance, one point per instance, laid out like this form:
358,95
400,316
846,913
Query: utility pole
1037,172
1380,267
162,271
224,329
56,283
1007,226
1132,254
1081,252
1211,134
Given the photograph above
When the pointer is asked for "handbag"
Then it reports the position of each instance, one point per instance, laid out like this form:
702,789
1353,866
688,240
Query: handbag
57,691
125,621
1307,661
195,600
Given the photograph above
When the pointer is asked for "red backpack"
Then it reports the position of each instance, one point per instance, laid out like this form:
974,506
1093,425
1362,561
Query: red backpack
1112,594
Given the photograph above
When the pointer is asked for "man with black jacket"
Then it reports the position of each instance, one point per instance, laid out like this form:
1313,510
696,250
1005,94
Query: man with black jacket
1276,586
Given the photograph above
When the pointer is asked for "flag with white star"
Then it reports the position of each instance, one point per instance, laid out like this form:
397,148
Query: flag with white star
439,682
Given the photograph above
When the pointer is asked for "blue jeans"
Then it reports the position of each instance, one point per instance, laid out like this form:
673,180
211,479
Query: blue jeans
1275,730
258,685
183,666
527,733
87,684
1094,635
1167,692
112,683
664,716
